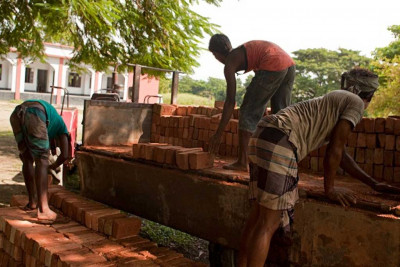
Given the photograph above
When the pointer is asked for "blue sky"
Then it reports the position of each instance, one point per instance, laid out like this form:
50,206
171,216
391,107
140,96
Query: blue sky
293,25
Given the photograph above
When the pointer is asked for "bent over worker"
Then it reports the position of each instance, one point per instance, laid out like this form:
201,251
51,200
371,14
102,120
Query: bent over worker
274,76
284,139
36,124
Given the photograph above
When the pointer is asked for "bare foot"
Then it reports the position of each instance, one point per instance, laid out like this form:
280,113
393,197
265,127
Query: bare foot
46,215
30,206
236,166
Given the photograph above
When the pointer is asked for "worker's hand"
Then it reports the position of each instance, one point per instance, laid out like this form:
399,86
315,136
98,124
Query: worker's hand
343,196
215,141
386,188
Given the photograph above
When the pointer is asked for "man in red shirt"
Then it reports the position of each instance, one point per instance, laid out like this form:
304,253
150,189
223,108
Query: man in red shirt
274,76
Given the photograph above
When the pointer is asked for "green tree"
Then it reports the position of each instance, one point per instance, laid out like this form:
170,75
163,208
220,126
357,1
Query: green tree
319,70
159,33
387,66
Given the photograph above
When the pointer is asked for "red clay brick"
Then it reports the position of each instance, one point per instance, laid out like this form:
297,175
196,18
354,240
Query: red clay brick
320,164
222,149
305,163
80,210
219,104
378,156
19,200
388,174
370,140
314,153
390,142
389,125
369,155
380,125
369,125
397,158
131,241
234,123
104,246
136,151
398,143
378,171
381,138
351,151
360,126
105,223
388,158
181,111
200,160
352,139
77,257
396,174
228,140
396,126
125,227
314,163
92,217
360,155
369,169
361,140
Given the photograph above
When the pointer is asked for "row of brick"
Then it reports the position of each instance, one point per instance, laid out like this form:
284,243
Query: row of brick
390,125
373,140
181,157
25,243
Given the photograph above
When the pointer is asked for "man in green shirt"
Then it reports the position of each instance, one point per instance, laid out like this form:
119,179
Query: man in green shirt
36,124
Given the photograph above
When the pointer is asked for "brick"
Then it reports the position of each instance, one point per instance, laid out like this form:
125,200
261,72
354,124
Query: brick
222,149
219,104
92,217
360,155
314,163
78,257
389,125
361,140
125,227
369,155
381,138
104,246
398,143
352,139
68,202
181,111
378,171
305,163
388,174
105,223
234,125
380,125
378,156
57,198
370,140
369,125
320,164
388,158
19,201
314,153
396,158
131,241
79,210
390,142
369,169
351,151
200,160
136,151
396,126
228,151
360,126
159,153
396,174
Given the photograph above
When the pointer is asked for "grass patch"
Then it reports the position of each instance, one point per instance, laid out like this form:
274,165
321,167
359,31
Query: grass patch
190,246
190,99
6,134
14,101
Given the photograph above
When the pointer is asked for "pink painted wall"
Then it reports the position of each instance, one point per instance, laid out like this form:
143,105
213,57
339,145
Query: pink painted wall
148,86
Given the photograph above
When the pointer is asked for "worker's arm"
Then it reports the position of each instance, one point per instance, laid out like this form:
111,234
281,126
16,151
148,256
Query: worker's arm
63,143
351,167
332,160
232,65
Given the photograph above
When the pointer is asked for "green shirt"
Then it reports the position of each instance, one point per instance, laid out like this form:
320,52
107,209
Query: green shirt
56,125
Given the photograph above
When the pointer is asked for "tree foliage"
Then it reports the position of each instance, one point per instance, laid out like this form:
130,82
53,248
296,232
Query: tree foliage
158,33
318,71
386,100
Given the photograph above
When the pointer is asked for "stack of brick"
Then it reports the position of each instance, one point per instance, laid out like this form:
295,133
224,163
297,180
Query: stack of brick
190,126
183,158
115,242
375,146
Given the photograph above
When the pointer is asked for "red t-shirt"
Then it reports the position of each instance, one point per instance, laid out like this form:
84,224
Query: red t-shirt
264,55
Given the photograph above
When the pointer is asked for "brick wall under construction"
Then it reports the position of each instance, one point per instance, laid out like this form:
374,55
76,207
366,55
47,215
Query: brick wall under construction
373,143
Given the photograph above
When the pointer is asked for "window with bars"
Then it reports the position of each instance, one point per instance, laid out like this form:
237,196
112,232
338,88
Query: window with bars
29,75
74,80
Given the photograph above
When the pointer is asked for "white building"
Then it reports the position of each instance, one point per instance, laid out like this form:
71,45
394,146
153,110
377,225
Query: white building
21,76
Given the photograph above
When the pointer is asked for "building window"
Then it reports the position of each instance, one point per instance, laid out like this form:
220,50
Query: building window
29,75
74,80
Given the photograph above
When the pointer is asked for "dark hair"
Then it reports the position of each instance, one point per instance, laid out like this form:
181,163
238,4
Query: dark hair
357,71
220,43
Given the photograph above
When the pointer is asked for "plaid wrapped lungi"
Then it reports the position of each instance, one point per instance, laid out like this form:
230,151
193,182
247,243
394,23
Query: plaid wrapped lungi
273,172
29,124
